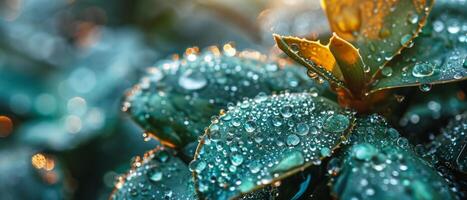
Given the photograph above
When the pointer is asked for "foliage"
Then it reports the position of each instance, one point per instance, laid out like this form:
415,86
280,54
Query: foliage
278,131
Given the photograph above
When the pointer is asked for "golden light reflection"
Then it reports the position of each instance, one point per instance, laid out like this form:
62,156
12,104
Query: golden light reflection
229,49
41,161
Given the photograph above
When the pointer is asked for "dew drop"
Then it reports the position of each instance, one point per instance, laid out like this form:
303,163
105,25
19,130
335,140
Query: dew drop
336,123
364,151
286,111
302,129
325,152
293,140
190,80
155,175
250,126
412,18
426,87
386,71
236,159
405,39
423,70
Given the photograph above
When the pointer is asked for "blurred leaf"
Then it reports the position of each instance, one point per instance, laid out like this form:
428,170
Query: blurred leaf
379,29
381,165
264,140
438,55
177,99
451,145
26,174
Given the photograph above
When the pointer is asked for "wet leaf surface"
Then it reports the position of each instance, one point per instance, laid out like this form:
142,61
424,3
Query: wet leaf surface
451,145
316,57
438,55
159,175
379,164
379,29
177,99
265,139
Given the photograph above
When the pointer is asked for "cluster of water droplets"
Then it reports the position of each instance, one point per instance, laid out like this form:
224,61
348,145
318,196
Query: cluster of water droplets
440,50
451,145
264,139
177,98
159,175
379,164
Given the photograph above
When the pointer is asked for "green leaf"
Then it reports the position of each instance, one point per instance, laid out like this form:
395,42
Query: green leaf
177,99
266,139
451,145
425,113
439,55
159,175
379,29
381,165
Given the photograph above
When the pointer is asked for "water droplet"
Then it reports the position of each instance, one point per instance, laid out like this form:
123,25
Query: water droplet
364,151
405,39
336,123
325,152
255,167
302,129
386,71
236,159
190,80
423,70
426,87
293,140
155,175
412,18
295,47
250,126
236,121
286,111
403,142
197,166
276,121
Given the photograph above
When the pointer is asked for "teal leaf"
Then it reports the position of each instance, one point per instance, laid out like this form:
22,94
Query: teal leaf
159,175
426,113
176,100
266,139
379,164
451,145
438,55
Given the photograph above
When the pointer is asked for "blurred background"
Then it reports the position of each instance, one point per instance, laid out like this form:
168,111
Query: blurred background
65,65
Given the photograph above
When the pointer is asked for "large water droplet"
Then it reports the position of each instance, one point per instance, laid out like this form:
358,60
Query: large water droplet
293,140
236,159
191,80
302,129
423,70
286,111
155,175
250,126
336,123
